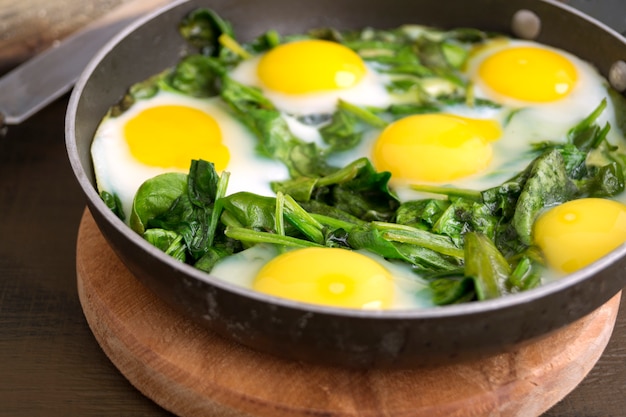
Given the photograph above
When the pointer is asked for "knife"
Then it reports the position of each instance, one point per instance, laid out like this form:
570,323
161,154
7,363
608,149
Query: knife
36,83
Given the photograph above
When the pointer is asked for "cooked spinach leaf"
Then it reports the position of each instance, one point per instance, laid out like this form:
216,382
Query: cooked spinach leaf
346,128
154,197
113,203
194,76
453,289
526,274
546,186
275,138
202,28
173,207
168,241
357,189
486,266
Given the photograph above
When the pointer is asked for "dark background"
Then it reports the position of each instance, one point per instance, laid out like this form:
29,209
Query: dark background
50,363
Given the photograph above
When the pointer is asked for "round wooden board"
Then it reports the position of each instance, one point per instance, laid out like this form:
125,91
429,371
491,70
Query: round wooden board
192,372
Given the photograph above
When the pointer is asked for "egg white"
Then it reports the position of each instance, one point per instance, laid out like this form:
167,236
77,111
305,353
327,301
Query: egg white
119,173
370,91
240,269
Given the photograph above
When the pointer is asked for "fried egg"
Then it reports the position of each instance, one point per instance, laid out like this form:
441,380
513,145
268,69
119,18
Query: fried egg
310,76
579,232
524,72
552,89
326,276
164,133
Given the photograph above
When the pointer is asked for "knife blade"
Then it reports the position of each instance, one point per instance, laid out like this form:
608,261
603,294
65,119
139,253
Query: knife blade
36,83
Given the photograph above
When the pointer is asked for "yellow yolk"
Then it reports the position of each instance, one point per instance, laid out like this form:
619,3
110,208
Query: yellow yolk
435,147
171,136
529,73
327,276
310,66
580,232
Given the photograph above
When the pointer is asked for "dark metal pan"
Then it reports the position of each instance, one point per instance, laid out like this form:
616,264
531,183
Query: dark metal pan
322,334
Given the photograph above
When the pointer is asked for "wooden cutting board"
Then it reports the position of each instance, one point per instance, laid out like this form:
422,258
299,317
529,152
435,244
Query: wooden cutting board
192,372
28,27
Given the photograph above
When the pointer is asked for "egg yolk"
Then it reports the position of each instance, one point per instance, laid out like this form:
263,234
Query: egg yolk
310,66
435,147
529,74
579,232
171,136
328,276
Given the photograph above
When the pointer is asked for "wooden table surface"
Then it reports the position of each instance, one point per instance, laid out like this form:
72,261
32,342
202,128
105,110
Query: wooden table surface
50,363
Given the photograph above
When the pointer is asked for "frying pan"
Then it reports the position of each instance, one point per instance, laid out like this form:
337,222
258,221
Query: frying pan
321,334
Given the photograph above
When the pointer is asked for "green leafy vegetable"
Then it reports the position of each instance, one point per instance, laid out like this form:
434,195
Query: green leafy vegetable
275,138
452,290
154,197
168,241
202,28
486,266
174,209
113,203
344,131
194,76
547,185
526,275
356,189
